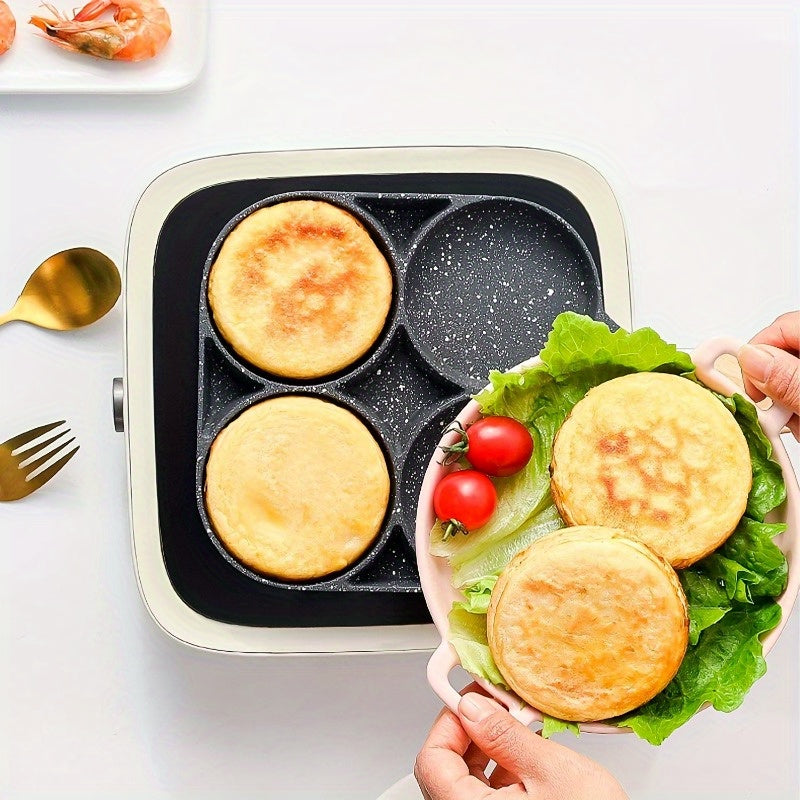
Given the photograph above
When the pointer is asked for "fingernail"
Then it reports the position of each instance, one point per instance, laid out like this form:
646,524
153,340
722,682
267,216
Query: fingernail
756,362
476,707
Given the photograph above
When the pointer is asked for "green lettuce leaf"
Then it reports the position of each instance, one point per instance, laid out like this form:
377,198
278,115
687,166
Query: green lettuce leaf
733,576
749,565
768,490
478,595
486,562
702,617
580,344
551,725
507,395
751,546
701,589
719,669
707,600
726,593
468,636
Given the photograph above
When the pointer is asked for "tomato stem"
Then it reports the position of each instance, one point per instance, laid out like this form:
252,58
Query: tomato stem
453,527
453,452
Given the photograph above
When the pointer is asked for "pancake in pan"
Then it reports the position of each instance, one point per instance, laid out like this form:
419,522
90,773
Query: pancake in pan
296,488
587,624
657,455
300,289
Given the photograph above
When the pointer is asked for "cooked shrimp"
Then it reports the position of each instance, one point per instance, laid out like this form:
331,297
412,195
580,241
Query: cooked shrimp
139,30
8,27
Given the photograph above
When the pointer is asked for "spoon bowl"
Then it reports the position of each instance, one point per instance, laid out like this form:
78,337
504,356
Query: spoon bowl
69,290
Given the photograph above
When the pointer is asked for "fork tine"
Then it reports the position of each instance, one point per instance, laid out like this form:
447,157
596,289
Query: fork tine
37,481
38,447
31,466
23,438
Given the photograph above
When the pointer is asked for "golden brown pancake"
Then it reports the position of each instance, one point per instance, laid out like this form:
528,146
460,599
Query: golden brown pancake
296,488
657,455
587,624
300,289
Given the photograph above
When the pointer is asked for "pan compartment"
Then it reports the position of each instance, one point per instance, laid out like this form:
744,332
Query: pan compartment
403,216
334,581
486,280
378,235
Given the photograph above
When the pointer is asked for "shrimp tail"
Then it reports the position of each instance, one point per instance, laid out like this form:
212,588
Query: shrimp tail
60,22
92,10
42,23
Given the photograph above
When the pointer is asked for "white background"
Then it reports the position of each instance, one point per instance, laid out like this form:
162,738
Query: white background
691,115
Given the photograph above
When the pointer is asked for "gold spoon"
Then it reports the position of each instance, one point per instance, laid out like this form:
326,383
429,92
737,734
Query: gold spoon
71,289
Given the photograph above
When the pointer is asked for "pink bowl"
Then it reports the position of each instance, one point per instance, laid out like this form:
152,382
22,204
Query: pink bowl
435,572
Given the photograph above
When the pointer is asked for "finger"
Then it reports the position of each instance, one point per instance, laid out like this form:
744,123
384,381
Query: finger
440,768
448,733
476,762
774,371
507,741
466,787
783,333
501,777
753,392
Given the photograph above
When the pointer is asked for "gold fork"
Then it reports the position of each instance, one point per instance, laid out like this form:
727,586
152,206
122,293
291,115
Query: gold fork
18,465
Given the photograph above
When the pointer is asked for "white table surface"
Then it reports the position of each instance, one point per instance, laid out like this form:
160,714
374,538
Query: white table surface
692,117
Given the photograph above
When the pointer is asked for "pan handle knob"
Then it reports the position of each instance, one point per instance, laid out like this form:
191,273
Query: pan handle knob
117,399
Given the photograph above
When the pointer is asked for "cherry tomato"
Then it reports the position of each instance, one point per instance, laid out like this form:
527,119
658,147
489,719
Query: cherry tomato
498,446
464,500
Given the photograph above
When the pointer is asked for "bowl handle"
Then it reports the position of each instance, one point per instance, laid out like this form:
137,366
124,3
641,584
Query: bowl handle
773,419
440,666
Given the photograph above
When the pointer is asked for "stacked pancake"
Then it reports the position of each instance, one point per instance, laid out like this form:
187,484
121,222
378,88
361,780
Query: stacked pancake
656,455
591,622
587,624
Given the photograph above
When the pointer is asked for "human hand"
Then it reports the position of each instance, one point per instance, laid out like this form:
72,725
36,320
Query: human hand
771,367
453,760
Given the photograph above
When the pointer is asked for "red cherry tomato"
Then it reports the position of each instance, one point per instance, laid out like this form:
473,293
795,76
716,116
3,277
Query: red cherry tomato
464,501
498,446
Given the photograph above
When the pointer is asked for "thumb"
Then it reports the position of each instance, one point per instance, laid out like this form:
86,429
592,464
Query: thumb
506,740
774,371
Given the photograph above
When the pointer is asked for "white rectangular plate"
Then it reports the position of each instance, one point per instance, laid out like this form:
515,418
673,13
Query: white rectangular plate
35,65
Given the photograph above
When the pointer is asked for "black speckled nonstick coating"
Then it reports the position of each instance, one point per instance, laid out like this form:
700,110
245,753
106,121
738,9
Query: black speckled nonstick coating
482,265
477,283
